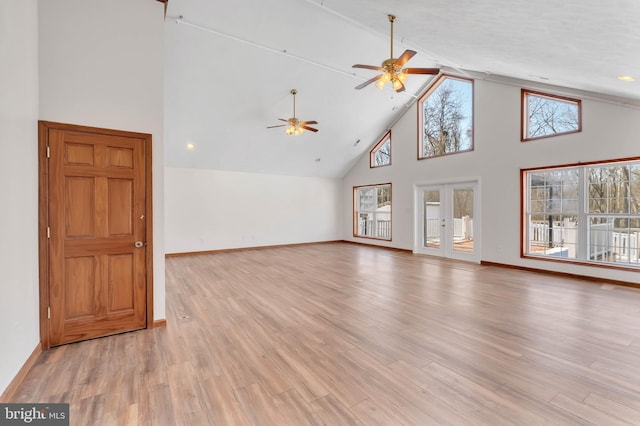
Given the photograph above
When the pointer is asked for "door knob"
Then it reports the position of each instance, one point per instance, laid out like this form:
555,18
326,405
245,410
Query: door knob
139,244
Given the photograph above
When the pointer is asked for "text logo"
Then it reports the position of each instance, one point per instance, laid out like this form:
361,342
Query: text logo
34,414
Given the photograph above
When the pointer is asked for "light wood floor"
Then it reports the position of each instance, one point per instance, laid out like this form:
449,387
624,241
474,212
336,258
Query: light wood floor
340,334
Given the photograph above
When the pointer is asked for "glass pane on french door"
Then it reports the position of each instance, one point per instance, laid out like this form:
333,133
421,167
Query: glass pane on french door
462,220
432,218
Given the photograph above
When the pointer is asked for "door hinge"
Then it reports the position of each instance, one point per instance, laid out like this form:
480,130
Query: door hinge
49,312
48,232
48,152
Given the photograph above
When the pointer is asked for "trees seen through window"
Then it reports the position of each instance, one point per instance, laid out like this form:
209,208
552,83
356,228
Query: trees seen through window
380,155
545,115
446,117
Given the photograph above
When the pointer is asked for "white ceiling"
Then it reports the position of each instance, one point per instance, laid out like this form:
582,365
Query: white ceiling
231,65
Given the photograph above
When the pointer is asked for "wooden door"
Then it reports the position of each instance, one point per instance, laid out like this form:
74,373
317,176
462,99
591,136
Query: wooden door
97,253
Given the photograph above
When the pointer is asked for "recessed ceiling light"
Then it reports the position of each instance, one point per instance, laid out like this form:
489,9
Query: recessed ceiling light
190,146
626,78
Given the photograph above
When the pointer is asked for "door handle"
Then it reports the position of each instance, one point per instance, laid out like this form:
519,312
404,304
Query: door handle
138,244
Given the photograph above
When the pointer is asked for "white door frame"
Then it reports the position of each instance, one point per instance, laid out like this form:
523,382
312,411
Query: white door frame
445,249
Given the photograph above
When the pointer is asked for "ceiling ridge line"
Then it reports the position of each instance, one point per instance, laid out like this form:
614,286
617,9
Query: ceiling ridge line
412,45
180,20
557,89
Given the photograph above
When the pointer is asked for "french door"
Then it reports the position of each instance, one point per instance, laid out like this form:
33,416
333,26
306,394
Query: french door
447,220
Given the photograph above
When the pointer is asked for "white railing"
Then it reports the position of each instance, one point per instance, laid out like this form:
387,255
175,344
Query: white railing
614,246
462,228
375,225
559,241
600,240
540,233
629,246
605,243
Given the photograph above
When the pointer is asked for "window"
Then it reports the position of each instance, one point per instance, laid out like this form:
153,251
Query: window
372,211
380,155
545,115
586,213
445,116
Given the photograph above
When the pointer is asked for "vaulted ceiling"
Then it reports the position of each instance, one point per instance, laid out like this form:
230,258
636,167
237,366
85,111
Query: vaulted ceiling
230,67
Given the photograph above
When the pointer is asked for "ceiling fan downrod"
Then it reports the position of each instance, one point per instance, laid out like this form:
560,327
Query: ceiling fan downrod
392,18
294,92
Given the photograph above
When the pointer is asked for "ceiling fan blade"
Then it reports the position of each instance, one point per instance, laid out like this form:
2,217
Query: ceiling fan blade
406,55
368,67
421,70
282,119
368,82
401,88
308,122
311,129
279,125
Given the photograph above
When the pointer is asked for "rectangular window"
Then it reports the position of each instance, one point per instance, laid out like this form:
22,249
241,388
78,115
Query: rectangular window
445,116
586,213
372,211
380,155
545,115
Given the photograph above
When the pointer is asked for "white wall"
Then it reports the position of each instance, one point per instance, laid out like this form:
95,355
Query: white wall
609,131
101,64
212,210
19,321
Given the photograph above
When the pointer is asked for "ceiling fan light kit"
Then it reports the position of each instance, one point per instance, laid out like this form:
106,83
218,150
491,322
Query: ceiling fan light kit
392,71
294,125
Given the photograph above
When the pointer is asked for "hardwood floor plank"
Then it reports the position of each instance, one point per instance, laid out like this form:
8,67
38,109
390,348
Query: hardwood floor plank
332,412
35,382
409,403
342,383
183,383
129,416
620,369
261,366
155,405
342,334
127,383
219,402
483,398
94,375
370,412
258,406
526,401
613,408
293,363
150,363
587,412
295,410
91,411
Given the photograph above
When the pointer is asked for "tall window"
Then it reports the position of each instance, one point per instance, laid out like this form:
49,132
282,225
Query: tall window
446,117
586,213
545,115
372,211
380,155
